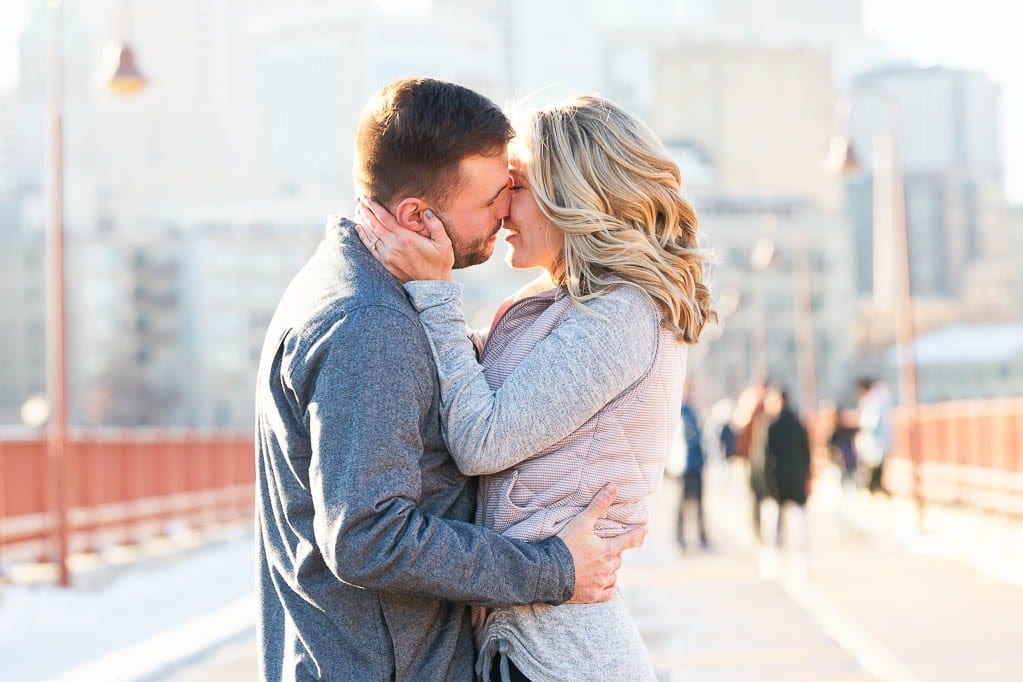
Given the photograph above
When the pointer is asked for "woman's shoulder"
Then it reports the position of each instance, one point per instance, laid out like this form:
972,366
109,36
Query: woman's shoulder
623,321
626,302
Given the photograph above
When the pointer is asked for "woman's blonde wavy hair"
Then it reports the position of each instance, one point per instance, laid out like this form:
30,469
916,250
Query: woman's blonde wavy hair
605,180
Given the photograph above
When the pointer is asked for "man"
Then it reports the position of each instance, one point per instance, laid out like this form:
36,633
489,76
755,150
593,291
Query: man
692,476
873,438
787,458
366,554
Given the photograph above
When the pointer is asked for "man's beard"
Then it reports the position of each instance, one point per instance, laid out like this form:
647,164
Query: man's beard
471,253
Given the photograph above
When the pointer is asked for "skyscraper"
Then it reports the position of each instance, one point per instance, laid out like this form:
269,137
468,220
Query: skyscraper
760,116
949,149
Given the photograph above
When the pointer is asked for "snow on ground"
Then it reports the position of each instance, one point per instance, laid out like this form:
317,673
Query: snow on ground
140,624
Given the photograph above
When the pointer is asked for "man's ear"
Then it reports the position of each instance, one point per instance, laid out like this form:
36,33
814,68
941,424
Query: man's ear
409,213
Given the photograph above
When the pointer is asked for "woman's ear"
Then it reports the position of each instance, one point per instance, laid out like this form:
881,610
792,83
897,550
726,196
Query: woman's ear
409,213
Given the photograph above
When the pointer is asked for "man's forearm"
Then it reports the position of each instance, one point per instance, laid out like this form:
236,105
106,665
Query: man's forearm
409,552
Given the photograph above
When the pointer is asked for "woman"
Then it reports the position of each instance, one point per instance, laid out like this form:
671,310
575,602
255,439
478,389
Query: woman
580,377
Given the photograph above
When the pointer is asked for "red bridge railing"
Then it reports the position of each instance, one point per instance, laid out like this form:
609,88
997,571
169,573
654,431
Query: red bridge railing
968,453
120,488
123,487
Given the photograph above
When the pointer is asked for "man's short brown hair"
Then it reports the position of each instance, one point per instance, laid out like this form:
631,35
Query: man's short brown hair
415,131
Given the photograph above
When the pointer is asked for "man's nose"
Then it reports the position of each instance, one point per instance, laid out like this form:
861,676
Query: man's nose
504,205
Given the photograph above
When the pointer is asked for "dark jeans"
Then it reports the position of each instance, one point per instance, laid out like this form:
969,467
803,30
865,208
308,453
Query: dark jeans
875,479
758,487
692,489
514,674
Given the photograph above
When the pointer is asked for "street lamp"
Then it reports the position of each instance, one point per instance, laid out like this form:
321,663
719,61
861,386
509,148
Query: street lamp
56,317
120,73
892,265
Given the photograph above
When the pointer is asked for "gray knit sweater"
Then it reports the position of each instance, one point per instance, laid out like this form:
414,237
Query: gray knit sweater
562,401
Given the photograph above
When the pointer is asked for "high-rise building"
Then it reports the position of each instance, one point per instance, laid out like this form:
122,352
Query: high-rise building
190,134
760,117
230,282
949,149
316,64
22,347
8,146
81,148
993,285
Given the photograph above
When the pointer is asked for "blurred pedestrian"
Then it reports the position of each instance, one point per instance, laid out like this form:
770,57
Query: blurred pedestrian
727,441
692,475
837,435
751,439
786,457
873,439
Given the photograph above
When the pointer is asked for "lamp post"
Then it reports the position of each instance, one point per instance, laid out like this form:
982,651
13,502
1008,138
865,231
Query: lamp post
763,257
56,316
56,433
891,265
760,259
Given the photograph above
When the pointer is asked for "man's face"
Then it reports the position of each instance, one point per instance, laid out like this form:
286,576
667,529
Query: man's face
476,210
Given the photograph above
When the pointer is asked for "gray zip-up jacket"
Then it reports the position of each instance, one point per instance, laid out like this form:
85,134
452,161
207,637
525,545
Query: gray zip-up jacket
366,553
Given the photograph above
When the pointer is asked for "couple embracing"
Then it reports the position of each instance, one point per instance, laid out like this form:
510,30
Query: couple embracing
437,503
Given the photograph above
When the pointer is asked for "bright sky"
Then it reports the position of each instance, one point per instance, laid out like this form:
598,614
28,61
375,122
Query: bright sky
975,34
13,14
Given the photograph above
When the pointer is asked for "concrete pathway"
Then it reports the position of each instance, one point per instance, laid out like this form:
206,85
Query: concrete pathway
854,599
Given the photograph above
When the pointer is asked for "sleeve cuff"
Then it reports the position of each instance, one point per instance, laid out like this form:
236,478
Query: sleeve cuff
429,293
555,583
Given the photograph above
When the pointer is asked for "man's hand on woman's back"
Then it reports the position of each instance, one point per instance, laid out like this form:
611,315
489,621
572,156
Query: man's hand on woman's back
596,559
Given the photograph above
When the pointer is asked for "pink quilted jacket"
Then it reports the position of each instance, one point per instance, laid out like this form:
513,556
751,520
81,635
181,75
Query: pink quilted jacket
626,442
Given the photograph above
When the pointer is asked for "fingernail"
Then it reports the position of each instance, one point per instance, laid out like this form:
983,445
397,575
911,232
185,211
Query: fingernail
428,213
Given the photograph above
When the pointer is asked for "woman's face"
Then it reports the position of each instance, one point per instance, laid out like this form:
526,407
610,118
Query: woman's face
535,242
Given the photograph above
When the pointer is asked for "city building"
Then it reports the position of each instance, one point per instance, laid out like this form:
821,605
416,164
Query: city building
22,347
993,285
125,355
8,146
760,116
949,148
315,64
766,324
230,279
964,361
